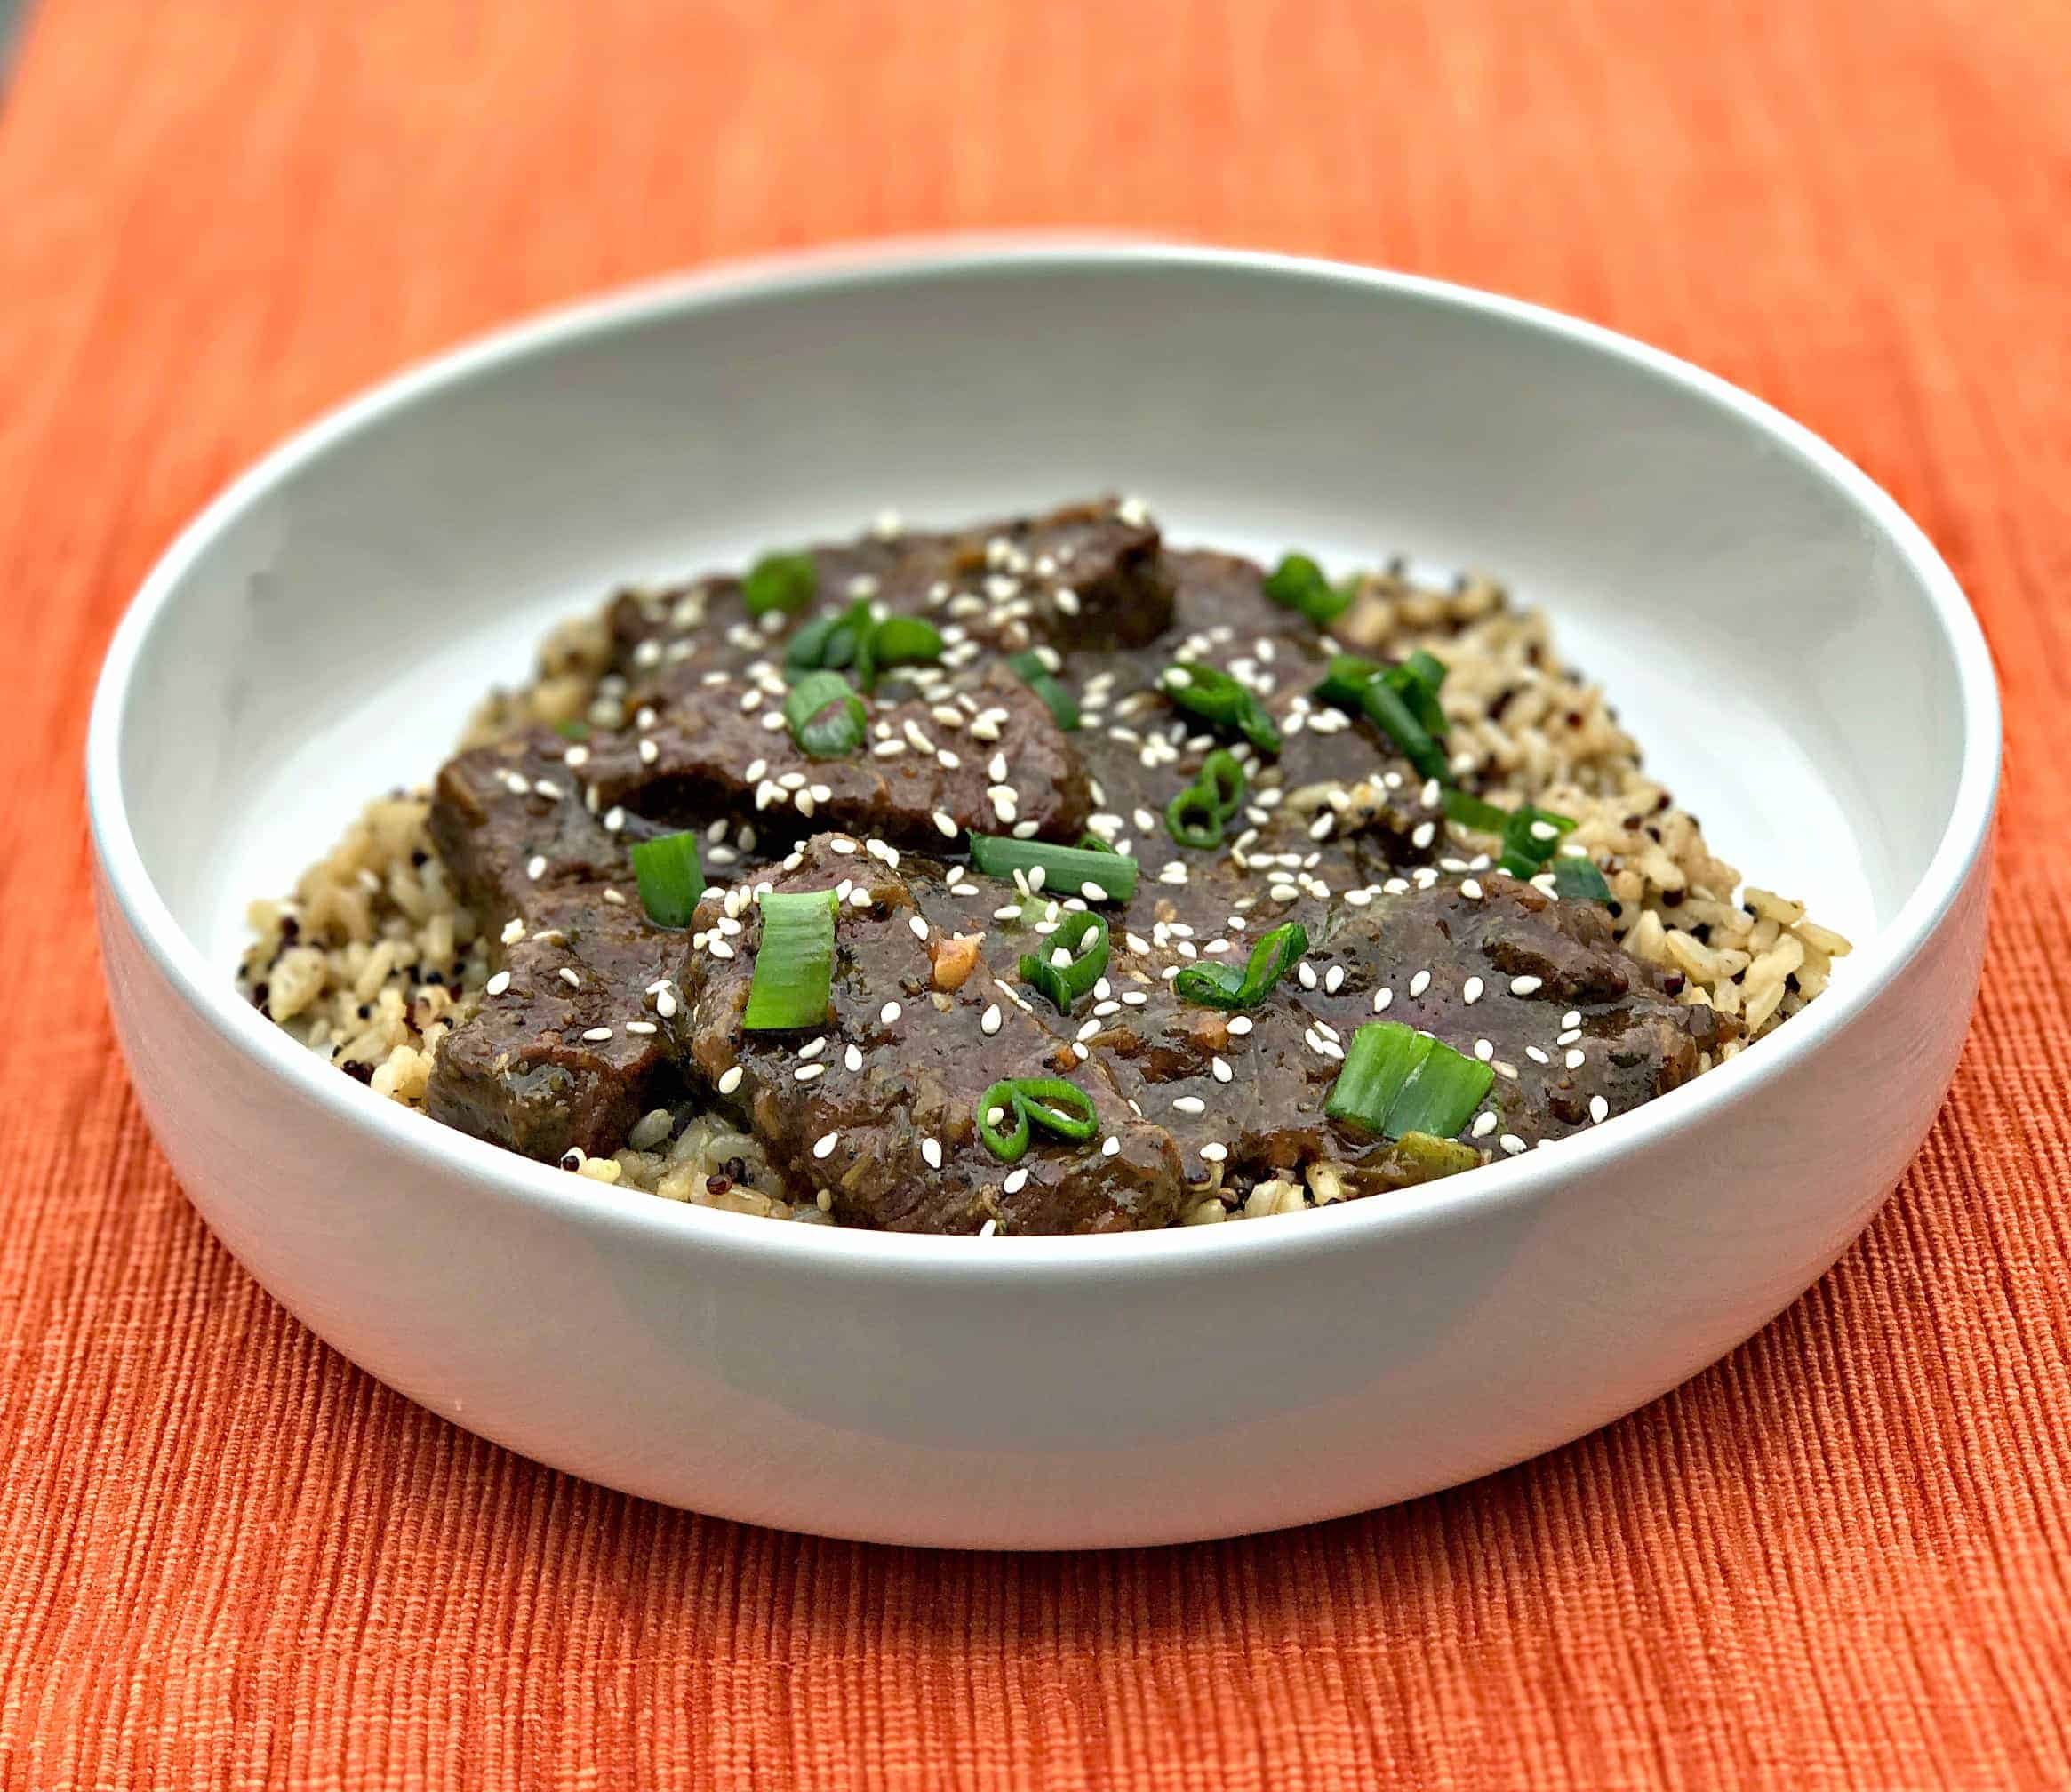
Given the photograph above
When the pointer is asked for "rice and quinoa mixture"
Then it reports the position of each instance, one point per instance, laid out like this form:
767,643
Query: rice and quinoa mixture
373,958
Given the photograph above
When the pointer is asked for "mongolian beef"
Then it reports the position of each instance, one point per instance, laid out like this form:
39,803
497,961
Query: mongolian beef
1037,878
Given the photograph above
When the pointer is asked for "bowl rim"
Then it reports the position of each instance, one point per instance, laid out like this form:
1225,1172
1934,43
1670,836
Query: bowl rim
427,1146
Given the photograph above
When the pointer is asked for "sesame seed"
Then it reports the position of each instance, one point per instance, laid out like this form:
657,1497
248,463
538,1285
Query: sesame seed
1333,979
933,1152
595,1035
1524,985
1306,973
665,1004
812,1048
824,1145
1511,1143
649,752
1599,1110
614,819
1382,996
1572,1018
852,1058
1215,1153
569,976
1017,1180
1190,1104
1423,833
1574,1060
1110,1146
497,984
1483,1050
918,926
1239,1024
989,1022
1220,1069
640,1026
536,866
1536,1055
1484,1124
945,824
889,1013
1471,889
1470,991
805,1073
719,948
729,1079
514,931
1569,1036
1420,982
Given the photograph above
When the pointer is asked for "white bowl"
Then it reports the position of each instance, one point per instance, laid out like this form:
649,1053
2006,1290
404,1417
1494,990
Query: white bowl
1798,660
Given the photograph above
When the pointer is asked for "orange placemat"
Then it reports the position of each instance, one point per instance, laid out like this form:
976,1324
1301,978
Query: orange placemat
228,1559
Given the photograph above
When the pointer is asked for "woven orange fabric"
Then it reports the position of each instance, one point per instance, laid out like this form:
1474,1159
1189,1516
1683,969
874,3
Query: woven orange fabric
226,1558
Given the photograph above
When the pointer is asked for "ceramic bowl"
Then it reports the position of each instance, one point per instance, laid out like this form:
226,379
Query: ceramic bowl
1800,664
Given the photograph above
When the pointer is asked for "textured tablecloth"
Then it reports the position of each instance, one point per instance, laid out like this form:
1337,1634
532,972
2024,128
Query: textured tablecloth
226,1558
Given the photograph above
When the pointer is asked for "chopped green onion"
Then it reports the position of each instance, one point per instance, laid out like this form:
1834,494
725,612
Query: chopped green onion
1344,685
794,965
1211,693
1297,582
1193,819
1579,880
1398,1080
1065,983
1049,1102
1432,1158
825,715
1397,719
1377,1064
1223,986
1423,698
1040,679
1441,1094
670,877
1471,812
1066,871
573,731
1428,668
1529,839
780,581
1091,842
827,642
904,641
1196,816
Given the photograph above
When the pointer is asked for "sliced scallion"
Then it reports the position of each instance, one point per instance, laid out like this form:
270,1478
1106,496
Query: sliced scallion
1224,986
1343,683
1471,812
1398,1080
1529,836
1085,964
1213,694
573,731
1023,1102
1419,694
1195,817
794,964
905,641
780,581
1579,879
825,715
671,878
827,642
1298,583
1066,871
1394,715
1030,668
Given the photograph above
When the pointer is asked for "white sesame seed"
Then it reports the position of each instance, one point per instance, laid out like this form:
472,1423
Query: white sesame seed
1572,1018
497,984
1599,1110
1569,1036
1239,1024
1333,979
1484,1124
649,752
852,1058
889,1013
719,948
1420,982
729,1079
1471,889
1215,1153
514,931
569,977
824,1145
597,1034
812,1048
1017,1180
1483,1050
1511,1143
640,1026
1470,991
1110,1146
1422,835
918,927
1220,1069
536,866
989,1022
665,1004
945,824
1305,972
614,819
1190,1104
1523,986
805,1073
1536,1055
933,1152
1574,1060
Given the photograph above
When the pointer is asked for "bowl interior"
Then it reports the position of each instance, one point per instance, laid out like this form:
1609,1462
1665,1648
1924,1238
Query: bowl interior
1768,643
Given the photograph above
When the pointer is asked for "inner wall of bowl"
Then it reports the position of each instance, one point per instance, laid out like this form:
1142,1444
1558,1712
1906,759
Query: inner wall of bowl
1773,652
